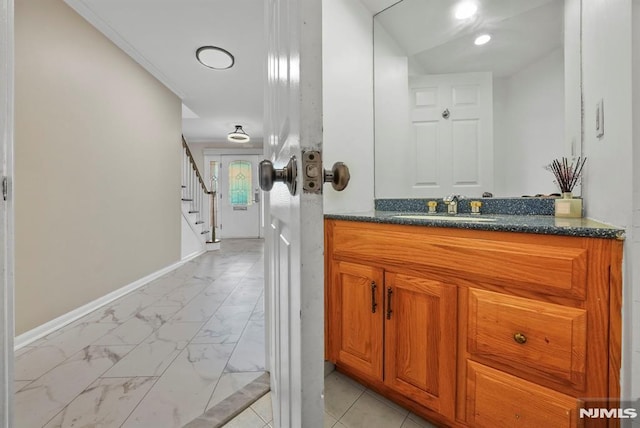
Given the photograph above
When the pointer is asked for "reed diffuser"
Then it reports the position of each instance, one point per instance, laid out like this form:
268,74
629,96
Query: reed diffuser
567,177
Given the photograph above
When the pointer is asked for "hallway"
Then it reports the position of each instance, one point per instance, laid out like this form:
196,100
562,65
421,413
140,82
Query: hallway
157,357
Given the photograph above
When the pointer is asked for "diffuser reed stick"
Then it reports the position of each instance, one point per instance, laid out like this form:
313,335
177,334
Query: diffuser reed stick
567,174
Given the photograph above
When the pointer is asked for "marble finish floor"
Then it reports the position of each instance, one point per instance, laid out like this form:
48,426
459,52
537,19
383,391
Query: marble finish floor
347,404
157,357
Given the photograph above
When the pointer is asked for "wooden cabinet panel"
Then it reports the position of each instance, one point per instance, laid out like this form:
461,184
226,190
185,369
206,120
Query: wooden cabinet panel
420,344
358,327
496,399
529,335
542,264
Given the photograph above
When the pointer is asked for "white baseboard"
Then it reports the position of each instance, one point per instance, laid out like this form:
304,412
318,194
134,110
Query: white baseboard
193,255
213,246
34,334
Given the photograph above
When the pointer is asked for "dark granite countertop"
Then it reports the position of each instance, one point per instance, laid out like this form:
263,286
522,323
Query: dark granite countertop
540,224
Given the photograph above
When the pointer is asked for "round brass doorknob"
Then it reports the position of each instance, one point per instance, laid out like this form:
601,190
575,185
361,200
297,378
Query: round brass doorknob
338,176
268,175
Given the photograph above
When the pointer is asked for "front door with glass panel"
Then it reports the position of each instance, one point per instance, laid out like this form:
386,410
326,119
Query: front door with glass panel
239,197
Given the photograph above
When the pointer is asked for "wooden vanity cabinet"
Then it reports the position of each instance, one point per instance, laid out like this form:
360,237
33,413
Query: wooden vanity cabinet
475,328
405,322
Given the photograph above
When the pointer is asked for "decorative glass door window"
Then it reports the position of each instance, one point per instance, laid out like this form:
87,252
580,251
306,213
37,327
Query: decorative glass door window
240,183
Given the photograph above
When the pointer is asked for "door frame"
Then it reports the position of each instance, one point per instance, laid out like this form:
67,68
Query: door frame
216,155
7,210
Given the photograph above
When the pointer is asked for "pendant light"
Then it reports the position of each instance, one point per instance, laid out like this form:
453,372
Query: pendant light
238,136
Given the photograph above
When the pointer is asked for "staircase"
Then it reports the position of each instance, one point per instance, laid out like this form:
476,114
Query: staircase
198,203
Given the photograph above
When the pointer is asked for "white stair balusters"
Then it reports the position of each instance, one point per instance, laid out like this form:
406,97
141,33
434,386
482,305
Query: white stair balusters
197,196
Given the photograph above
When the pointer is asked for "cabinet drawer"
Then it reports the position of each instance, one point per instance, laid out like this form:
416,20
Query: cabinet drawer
541,264
530,336
496,399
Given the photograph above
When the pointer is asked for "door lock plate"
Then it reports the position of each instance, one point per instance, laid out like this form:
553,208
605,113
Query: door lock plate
312,173
314,176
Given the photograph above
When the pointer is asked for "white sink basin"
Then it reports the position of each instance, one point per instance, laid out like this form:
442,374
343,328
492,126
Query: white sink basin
446,218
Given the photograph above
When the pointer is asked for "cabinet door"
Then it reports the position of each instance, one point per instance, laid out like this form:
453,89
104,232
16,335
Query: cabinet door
420,340
357,324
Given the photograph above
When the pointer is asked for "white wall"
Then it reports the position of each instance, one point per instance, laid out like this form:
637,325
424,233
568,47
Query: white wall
392,117
98,154
347,50
529,127
190,242
608,183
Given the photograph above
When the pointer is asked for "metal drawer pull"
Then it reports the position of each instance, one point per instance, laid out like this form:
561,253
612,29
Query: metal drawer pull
389,293
520,338
374,305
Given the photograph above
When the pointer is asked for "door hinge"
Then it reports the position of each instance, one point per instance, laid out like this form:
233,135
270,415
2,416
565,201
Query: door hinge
5,187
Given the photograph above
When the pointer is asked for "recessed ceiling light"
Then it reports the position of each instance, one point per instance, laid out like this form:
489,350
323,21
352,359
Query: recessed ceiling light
238,136
483,39
215,57
465,10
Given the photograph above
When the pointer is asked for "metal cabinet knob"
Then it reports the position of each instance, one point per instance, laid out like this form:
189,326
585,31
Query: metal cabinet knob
520,338
268,175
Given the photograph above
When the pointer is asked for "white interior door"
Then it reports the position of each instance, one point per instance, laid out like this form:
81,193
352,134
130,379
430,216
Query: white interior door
452,133
6,213
239,197
293,223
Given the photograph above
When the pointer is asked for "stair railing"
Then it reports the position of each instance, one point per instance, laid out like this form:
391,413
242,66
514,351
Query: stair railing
201,200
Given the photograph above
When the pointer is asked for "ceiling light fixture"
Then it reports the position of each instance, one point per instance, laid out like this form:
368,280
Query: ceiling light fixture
238,136
465,10
215,57
481,40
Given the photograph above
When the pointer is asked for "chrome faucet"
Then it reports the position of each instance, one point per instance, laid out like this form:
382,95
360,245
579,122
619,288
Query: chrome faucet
451,202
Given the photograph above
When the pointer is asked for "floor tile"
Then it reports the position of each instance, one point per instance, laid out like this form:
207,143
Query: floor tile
183,295
38,402
340,394
329,421
157,356
71,339
200,308
368,412
19,384
37,361
23,350
183,391
230,383
157,316
154,355
122,309
263,408
225,326
388,402
132,332
249,354
246,419
419,421
105,403
408,423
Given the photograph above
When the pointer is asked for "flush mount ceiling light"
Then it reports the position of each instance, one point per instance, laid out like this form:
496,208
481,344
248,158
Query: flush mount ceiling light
215,57
465,10
481,40
238,136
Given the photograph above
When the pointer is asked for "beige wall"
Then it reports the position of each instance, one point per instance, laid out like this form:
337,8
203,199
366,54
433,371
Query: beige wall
98,155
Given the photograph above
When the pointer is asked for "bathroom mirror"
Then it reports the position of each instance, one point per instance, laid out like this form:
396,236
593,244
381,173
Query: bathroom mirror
453,115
